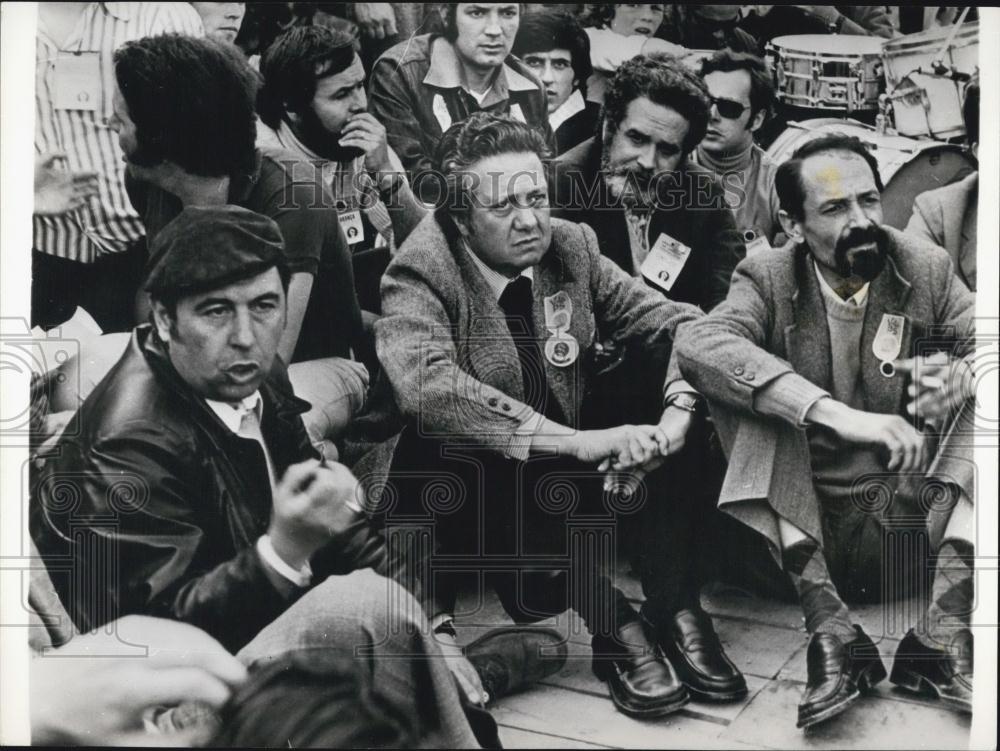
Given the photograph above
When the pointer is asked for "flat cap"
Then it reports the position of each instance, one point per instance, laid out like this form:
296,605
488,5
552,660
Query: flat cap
207,247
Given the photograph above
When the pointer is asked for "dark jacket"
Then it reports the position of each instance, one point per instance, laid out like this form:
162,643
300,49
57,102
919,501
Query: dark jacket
578,128
708,228
405,89
150,505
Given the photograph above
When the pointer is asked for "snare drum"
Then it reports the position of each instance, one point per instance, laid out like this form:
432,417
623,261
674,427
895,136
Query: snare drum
827,71
908,167
927,99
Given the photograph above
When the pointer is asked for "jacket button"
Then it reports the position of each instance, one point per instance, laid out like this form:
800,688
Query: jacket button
738,370
506,406
749,376
493,401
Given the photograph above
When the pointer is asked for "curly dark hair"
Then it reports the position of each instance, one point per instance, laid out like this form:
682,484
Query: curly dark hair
666,81
480,136
788,177
294,63
761,84
192,102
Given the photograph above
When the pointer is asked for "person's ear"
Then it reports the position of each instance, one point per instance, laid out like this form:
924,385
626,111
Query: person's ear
162,320
757,120
791,226
293,117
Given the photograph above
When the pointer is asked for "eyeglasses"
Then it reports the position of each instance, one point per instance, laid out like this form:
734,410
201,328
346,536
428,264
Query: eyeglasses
728,108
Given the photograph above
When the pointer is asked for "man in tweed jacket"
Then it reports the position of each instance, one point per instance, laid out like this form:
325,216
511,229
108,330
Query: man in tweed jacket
834,375
491,311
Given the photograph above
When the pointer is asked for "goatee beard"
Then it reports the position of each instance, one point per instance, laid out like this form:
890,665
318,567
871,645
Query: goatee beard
864,264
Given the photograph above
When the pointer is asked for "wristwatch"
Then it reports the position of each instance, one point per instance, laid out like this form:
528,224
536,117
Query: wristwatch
684,400
388,184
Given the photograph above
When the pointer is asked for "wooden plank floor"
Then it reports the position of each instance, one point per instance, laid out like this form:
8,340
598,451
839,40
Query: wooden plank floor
767,642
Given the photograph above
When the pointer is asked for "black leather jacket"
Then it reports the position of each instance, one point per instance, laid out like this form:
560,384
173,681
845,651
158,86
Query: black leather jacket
150,505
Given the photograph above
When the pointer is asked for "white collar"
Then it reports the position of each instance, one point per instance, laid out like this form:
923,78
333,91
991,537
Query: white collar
859,298
232,414
573,104
496,281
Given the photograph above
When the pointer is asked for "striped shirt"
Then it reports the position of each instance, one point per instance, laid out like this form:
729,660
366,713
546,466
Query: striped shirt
107,223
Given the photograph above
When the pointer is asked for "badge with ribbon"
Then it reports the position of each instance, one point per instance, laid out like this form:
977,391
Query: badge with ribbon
888,342
561,349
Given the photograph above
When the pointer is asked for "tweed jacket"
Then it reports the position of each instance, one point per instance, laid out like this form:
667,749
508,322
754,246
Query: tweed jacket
947,217
450,359
773,323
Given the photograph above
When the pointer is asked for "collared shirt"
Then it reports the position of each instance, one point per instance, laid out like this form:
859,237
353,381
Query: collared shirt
573,104
859,298
107,223
232,417
349,182
496,281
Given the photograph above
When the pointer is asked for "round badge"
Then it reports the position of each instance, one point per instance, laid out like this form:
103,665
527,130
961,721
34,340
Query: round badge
561,350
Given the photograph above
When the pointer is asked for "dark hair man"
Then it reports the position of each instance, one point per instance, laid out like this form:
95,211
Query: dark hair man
835,359
554,46
707,27
313,104
948,216
742,94
664,220
423,85
171,87
489,308
223,515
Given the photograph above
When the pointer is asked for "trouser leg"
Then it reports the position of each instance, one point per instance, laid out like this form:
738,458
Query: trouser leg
380,628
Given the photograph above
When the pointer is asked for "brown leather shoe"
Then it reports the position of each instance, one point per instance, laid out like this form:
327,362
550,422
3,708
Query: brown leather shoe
838,674
944,673
511,658
693,648
641,681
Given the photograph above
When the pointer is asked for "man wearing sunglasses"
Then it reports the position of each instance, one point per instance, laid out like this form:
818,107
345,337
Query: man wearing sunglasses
742,94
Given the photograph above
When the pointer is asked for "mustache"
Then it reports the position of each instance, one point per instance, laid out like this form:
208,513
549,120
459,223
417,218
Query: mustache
859,236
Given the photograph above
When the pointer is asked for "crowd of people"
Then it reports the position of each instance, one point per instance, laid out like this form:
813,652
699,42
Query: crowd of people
390,304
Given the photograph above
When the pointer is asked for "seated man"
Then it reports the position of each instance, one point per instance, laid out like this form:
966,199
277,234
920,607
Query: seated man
184,112
555,47
948,216
742,94
707,27
198,497
313,104
465,303
423,85
828,459
765,22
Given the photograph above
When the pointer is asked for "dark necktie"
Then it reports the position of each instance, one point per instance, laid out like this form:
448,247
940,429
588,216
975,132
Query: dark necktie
517,304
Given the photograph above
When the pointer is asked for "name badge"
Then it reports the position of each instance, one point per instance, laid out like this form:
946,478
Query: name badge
755,242
77,82
440,110
888,342
562,348
665,261
350,222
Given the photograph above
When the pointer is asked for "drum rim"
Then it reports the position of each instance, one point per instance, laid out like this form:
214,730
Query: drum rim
874,42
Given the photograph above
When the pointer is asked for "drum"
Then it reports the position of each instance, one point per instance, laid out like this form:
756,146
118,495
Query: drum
827,71
926,79
908,166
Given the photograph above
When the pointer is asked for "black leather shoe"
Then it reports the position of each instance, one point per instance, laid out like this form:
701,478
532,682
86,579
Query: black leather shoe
641,681
511,658
944,673
838,673
693,648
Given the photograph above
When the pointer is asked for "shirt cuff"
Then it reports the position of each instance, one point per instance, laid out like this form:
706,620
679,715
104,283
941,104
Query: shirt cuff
440,619
520,443
300,578
680,386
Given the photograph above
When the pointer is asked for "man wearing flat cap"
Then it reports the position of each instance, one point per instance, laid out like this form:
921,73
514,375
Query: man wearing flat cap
187,487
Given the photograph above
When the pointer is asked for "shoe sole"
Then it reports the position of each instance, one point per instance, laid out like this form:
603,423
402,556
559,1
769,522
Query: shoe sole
911,681
645,713
715,696
867,681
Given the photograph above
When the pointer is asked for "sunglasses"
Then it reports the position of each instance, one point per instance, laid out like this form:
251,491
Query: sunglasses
728,108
